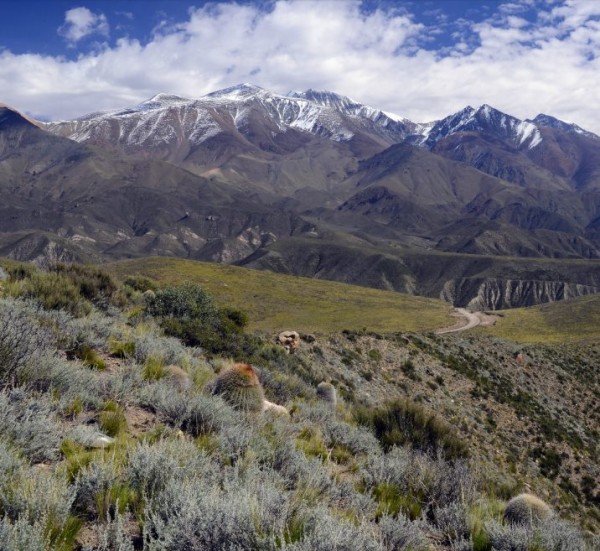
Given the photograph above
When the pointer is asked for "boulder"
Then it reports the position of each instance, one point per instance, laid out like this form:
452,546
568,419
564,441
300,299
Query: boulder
290,340
275,408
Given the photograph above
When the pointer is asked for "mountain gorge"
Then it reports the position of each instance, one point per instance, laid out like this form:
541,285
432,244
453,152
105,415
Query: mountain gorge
480,208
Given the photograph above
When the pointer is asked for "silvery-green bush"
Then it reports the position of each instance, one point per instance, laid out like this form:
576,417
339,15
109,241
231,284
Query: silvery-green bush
31,494
20,535
21,339
399,533
112,535
29,424
151,468
91,484
324,532
191,514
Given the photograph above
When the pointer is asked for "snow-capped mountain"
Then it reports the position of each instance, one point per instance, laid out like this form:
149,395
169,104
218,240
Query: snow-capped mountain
546,121
487,120
316,137
181,123
247,117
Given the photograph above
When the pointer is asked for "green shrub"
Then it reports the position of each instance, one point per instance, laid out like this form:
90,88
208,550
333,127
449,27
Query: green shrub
89,357
21,271
190,314
154,368
403,422
93,283
184,302
374,355
140,283
112,419
54,292
392,501
121,349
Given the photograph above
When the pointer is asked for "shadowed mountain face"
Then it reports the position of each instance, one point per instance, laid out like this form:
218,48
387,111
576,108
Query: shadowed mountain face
71,200
250,177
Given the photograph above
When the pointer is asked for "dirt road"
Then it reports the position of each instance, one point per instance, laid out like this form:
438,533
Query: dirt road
472,319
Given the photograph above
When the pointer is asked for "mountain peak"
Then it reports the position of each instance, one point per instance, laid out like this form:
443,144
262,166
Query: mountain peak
239,91
166,98
547,121
11,117
324,97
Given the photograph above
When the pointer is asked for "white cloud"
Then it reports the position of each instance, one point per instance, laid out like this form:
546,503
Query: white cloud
549,65
81,22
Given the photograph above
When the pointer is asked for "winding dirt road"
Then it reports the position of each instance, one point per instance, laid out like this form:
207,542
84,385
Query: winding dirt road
473,320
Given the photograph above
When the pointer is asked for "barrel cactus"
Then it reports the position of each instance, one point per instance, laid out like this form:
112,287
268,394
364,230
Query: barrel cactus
526,509
239,386
326,392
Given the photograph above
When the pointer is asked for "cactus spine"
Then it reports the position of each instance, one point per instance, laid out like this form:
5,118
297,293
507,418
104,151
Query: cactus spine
526,509
326,392
239,386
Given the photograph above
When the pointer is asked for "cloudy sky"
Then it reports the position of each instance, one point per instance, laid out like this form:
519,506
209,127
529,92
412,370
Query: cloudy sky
421,59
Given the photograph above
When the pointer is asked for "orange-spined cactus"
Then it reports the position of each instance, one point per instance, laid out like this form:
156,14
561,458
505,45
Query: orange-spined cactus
239,386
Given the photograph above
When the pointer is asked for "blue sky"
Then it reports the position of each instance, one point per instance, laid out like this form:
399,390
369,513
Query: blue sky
421,59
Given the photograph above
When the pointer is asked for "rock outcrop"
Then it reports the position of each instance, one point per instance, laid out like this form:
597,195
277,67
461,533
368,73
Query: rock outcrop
290,340
499,294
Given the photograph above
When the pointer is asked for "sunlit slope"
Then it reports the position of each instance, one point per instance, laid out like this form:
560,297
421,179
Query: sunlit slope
277,302
564,321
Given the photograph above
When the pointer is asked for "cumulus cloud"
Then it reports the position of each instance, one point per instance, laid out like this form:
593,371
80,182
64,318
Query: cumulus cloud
81,22
520,63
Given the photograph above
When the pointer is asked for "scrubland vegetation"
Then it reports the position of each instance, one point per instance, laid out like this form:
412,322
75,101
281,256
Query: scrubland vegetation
119,430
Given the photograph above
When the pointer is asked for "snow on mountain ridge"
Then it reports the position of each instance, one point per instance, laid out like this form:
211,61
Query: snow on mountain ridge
544,120
483,119
166,117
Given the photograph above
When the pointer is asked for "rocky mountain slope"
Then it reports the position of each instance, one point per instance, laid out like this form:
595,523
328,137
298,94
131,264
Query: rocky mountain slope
321,166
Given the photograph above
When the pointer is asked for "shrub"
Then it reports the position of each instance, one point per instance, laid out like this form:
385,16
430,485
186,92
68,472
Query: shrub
323,532
190,314
21,339
54,292
113,534
452,523
187,301
20,535
152,468
112,419
93,486
207,415
190,515
93,284
403,422
400,533
29,424
33,496
198,415
141,283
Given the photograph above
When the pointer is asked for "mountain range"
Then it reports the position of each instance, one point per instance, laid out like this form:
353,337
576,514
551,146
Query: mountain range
480,207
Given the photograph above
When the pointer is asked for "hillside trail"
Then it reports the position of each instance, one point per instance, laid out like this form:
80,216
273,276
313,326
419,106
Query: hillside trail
473,320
